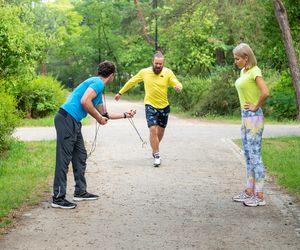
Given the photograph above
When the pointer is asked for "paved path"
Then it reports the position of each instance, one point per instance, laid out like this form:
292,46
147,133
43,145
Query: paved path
184,204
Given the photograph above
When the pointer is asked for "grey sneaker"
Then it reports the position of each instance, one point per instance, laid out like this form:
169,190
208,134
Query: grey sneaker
254,201
85,197
241,197
62,203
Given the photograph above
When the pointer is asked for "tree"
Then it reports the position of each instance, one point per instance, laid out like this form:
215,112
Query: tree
21,46
141,17
282,19
188,35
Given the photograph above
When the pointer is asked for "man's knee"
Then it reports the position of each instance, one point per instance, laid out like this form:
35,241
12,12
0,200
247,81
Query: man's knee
153,129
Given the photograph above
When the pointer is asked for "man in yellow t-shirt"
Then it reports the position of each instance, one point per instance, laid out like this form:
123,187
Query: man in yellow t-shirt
156,80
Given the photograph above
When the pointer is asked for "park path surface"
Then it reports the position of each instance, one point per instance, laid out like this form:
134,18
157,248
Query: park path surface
184,204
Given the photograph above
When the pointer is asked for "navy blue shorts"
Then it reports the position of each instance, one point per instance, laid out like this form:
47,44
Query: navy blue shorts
156,116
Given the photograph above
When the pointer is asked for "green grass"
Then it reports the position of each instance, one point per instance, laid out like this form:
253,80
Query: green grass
43,122
25,172
47,122
281,157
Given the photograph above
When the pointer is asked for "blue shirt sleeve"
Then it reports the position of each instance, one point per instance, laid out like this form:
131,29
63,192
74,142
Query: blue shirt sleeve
98,86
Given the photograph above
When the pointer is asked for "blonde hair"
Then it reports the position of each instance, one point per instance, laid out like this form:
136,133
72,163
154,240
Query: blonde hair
243,50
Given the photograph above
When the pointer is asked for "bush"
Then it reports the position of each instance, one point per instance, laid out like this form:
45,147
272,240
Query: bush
8,118
46,96
19,88
221,97
281,103
38,97
193,89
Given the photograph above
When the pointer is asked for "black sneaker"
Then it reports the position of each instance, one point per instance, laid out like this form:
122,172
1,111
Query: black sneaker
85,197
62,203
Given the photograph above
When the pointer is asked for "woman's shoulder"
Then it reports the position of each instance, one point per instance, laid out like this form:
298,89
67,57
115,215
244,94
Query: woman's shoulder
255,71
255,67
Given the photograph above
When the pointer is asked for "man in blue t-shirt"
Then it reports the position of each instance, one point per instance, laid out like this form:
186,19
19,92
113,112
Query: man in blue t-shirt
85,99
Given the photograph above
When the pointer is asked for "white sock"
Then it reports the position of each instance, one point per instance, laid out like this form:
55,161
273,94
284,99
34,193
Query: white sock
156,155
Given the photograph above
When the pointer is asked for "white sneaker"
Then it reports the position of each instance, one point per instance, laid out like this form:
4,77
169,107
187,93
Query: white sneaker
156,161
254,201
241,197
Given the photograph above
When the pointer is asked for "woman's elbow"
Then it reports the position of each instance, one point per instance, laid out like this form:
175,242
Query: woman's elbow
266,94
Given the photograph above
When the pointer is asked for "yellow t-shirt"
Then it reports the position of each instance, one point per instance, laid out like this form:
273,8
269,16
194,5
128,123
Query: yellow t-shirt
156,86
246,86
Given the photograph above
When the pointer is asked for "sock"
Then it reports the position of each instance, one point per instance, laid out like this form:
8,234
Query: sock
156,155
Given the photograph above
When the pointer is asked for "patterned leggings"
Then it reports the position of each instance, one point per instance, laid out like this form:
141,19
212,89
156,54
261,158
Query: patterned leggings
251,130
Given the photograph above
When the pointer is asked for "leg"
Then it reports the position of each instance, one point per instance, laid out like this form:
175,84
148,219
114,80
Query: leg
255,154
157,120
162,121
156,135
152,121
79,157
64,148
246,148
154,138
160,133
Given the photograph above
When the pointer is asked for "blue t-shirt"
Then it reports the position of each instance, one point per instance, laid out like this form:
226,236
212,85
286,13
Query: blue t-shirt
73,105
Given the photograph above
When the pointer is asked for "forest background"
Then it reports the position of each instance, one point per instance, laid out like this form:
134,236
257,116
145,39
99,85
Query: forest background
49,47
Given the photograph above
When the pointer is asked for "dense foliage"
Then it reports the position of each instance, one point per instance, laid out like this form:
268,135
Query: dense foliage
8,118
197,38
281,103
68,38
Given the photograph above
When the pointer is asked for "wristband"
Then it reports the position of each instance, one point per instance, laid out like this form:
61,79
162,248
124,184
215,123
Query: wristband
124,115
106,115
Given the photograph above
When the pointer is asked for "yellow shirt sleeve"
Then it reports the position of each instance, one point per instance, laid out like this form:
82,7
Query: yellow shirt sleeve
173,81
132,82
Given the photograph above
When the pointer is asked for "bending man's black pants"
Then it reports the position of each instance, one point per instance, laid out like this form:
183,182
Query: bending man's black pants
69,147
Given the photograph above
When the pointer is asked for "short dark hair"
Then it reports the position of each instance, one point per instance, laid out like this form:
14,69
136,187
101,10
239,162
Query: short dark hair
106,68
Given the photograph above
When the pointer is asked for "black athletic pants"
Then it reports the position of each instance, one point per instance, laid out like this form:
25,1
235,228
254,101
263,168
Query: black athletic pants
69,147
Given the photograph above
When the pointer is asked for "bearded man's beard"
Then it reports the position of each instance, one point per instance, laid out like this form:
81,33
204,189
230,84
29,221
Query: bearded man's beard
157,70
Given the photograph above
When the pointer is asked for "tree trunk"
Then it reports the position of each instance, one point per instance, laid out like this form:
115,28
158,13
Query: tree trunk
149,39
220,56
281,17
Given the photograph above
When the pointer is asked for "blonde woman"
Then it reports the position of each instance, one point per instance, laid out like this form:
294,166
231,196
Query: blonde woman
252,91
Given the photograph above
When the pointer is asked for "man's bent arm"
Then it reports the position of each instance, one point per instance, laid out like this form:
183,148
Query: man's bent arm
86,102
173,81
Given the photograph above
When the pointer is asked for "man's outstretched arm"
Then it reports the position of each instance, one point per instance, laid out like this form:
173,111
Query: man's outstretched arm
129,84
